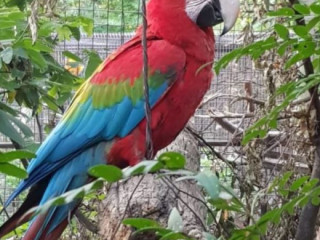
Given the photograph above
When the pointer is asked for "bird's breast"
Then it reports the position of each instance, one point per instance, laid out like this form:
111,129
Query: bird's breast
169,116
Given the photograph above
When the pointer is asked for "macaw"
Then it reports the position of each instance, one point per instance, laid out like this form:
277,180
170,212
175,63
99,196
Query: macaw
105,123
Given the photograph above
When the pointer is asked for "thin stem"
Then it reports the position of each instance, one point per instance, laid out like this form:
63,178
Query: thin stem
149,143
127,206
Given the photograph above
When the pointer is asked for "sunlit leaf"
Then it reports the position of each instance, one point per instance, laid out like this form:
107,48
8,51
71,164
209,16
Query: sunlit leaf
19,154
172,160
107,172
12,170
93,62
300,8
282,31
287,12
139,223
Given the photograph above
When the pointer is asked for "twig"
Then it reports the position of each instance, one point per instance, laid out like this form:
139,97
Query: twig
186,204
234,135
203,202
17,146
39,128
248,99
217,154
126,209
86,223
226,115
308,216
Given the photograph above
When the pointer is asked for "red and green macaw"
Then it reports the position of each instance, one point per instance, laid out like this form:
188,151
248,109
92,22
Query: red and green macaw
105,123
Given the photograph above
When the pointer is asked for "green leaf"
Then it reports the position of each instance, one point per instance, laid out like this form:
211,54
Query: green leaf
316,64
251,134
285,178
12,170
286,12
306,48
22,127
63,32
139,223
301,31
7,55
315,201
51,103
38,59
8,130
298,183
75,31
283,47
158,230
315,7
282,31
21,4
20,52
293,60
93,62
273,123
71,56
8,109
39,46
87,25
172,160
175,222
107,172
210,182
174,236
47,28
313,22
19,154
309,185
302,9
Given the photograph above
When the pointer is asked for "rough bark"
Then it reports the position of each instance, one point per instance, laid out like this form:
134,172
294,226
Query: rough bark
152,198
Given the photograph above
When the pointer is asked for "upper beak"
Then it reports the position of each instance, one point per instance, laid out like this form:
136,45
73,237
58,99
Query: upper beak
229,11
218,11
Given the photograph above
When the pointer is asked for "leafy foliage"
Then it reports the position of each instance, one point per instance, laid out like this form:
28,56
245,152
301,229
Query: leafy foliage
110,16
295,38
30,78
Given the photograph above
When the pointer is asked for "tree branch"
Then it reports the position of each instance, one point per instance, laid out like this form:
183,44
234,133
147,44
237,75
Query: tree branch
308,217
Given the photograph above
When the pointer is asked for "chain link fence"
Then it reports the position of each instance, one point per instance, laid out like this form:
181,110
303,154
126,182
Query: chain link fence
114,23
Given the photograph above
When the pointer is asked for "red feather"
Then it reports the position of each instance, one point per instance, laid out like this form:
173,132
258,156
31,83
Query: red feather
169,23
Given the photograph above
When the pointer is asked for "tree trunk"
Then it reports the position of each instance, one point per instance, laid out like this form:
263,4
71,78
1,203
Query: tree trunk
152,197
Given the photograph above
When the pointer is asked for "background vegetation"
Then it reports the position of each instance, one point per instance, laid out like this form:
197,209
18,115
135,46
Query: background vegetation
286,49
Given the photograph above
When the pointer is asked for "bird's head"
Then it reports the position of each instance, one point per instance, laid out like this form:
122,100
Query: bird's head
208,13
204,14
188,23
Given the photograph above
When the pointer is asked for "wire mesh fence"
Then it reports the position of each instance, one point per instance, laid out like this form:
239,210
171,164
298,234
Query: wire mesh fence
114,23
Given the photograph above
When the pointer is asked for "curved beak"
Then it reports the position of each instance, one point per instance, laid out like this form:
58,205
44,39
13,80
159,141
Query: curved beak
229,11
217,11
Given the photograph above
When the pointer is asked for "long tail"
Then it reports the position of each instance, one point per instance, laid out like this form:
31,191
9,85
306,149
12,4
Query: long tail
21,216
71,176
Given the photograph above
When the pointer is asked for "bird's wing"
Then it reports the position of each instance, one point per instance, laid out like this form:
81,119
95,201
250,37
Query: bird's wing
109,104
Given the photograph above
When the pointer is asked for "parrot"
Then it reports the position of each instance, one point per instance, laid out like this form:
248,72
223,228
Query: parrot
105,122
